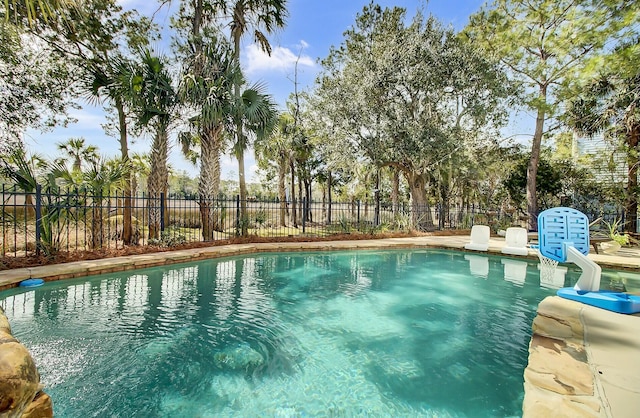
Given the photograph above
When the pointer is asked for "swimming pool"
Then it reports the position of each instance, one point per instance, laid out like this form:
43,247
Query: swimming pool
363,333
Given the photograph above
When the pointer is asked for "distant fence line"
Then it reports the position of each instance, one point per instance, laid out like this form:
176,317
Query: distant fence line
70,220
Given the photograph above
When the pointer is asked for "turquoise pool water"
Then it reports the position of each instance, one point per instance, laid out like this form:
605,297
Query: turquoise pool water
393,333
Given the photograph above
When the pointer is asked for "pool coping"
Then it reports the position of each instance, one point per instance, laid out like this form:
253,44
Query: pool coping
11,278
582,362
561,356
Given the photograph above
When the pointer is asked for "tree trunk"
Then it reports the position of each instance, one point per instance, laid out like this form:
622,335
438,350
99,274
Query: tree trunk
282,190
127,234
444,203
376,215
329,186
323,208
28,202
307,193
420,211
240,138
300,194
157,182
244,218
532,168
294,218
395,191
97,233
209,182
631,204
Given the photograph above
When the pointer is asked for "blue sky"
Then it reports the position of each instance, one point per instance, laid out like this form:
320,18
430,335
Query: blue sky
312,28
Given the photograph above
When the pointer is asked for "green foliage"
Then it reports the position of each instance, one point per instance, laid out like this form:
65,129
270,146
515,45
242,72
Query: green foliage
543,41
27,173
30,12
78,151
406,95
182,185
401,222
170,237
90,188
369,228
150,89
549,183
34,86
260,217
343,226
608,104
614,229
543,44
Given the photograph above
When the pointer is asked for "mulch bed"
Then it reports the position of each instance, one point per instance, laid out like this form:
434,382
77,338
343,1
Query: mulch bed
9,262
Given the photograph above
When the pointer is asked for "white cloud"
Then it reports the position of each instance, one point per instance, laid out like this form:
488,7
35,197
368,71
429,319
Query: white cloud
281,59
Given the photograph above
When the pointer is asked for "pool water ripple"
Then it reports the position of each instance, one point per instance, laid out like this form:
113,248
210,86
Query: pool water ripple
374,333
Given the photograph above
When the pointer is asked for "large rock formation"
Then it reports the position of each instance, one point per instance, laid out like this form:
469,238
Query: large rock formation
20,389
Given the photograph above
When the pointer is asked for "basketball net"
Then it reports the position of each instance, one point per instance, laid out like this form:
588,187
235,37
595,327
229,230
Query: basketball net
547,268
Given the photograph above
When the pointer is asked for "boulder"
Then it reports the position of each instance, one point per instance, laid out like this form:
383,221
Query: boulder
20,388
239,357
19,379
41,407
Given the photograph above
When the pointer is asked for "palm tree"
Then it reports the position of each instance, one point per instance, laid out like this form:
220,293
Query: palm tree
264,17
207,86
77,151
25,171
277,147
99,181
109,81
139,167
32,10
610,105
154,100
256,114
97,38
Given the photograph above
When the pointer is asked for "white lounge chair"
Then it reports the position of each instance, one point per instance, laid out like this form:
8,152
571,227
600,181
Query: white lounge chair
516,240
479,238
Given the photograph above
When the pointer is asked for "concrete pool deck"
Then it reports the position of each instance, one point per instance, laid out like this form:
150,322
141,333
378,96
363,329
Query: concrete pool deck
583,360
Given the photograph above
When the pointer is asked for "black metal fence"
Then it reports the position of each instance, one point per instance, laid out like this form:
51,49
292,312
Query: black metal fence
71,220
40,222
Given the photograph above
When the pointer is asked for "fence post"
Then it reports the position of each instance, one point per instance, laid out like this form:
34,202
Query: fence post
377,210
162,209
238,214
473,214
38,217
304,214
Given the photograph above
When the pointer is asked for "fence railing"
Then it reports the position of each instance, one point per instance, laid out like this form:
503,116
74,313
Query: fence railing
72,220
44,222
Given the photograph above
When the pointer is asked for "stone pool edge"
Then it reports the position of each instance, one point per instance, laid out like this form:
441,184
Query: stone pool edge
582,362
11,278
